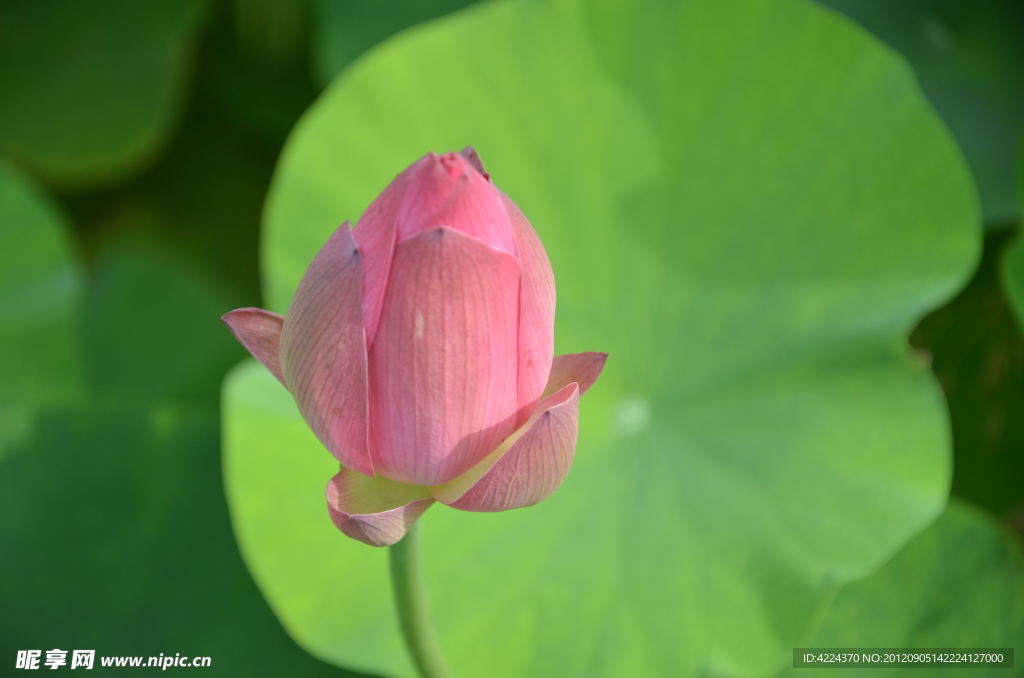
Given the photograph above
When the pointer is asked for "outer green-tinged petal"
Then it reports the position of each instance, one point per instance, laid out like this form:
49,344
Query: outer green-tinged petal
443,363
528,467
260,332
376,511
582,368
536,311
323,351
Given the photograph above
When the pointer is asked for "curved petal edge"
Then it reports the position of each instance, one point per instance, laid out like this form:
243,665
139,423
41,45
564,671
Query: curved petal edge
259,332
375,232
323,351
529,467
375,511
582,368
537,311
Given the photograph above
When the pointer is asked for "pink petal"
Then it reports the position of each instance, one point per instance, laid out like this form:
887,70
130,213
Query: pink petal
534,465
443,366
474,207
537,311
260,332
582,368
376,511
376,232
323,351
434,178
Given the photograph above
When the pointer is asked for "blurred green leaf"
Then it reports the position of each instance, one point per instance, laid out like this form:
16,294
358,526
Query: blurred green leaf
202,204
40,362
978,355
116,538
959,584
152,329
272,30
1013,278
344,29
748,205
263,97
969,57
90,90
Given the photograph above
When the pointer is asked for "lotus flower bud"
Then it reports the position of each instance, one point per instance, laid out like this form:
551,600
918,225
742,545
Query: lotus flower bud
419,349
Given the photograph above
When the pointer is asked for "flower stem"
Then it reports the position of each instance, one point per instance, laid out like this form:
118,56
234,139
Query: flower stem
411,601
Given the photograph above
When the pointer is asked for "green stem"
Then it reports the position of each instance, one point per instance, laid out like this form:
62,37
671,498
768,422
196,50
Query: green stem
411,601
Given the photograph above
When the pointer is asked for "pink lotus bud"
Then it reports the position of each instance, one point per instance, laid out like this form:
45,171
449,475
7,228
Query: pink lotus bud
422,357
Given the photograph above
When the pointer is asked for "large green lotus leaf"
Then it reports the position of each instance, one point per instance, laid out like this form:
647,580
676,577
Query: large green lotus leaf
39,287
91,89
969,57
344,29
748,205
958,584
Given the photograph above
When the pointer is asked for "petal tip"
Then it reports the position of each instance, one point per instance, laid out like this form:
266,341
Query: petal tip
582,368
259,331
471,156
